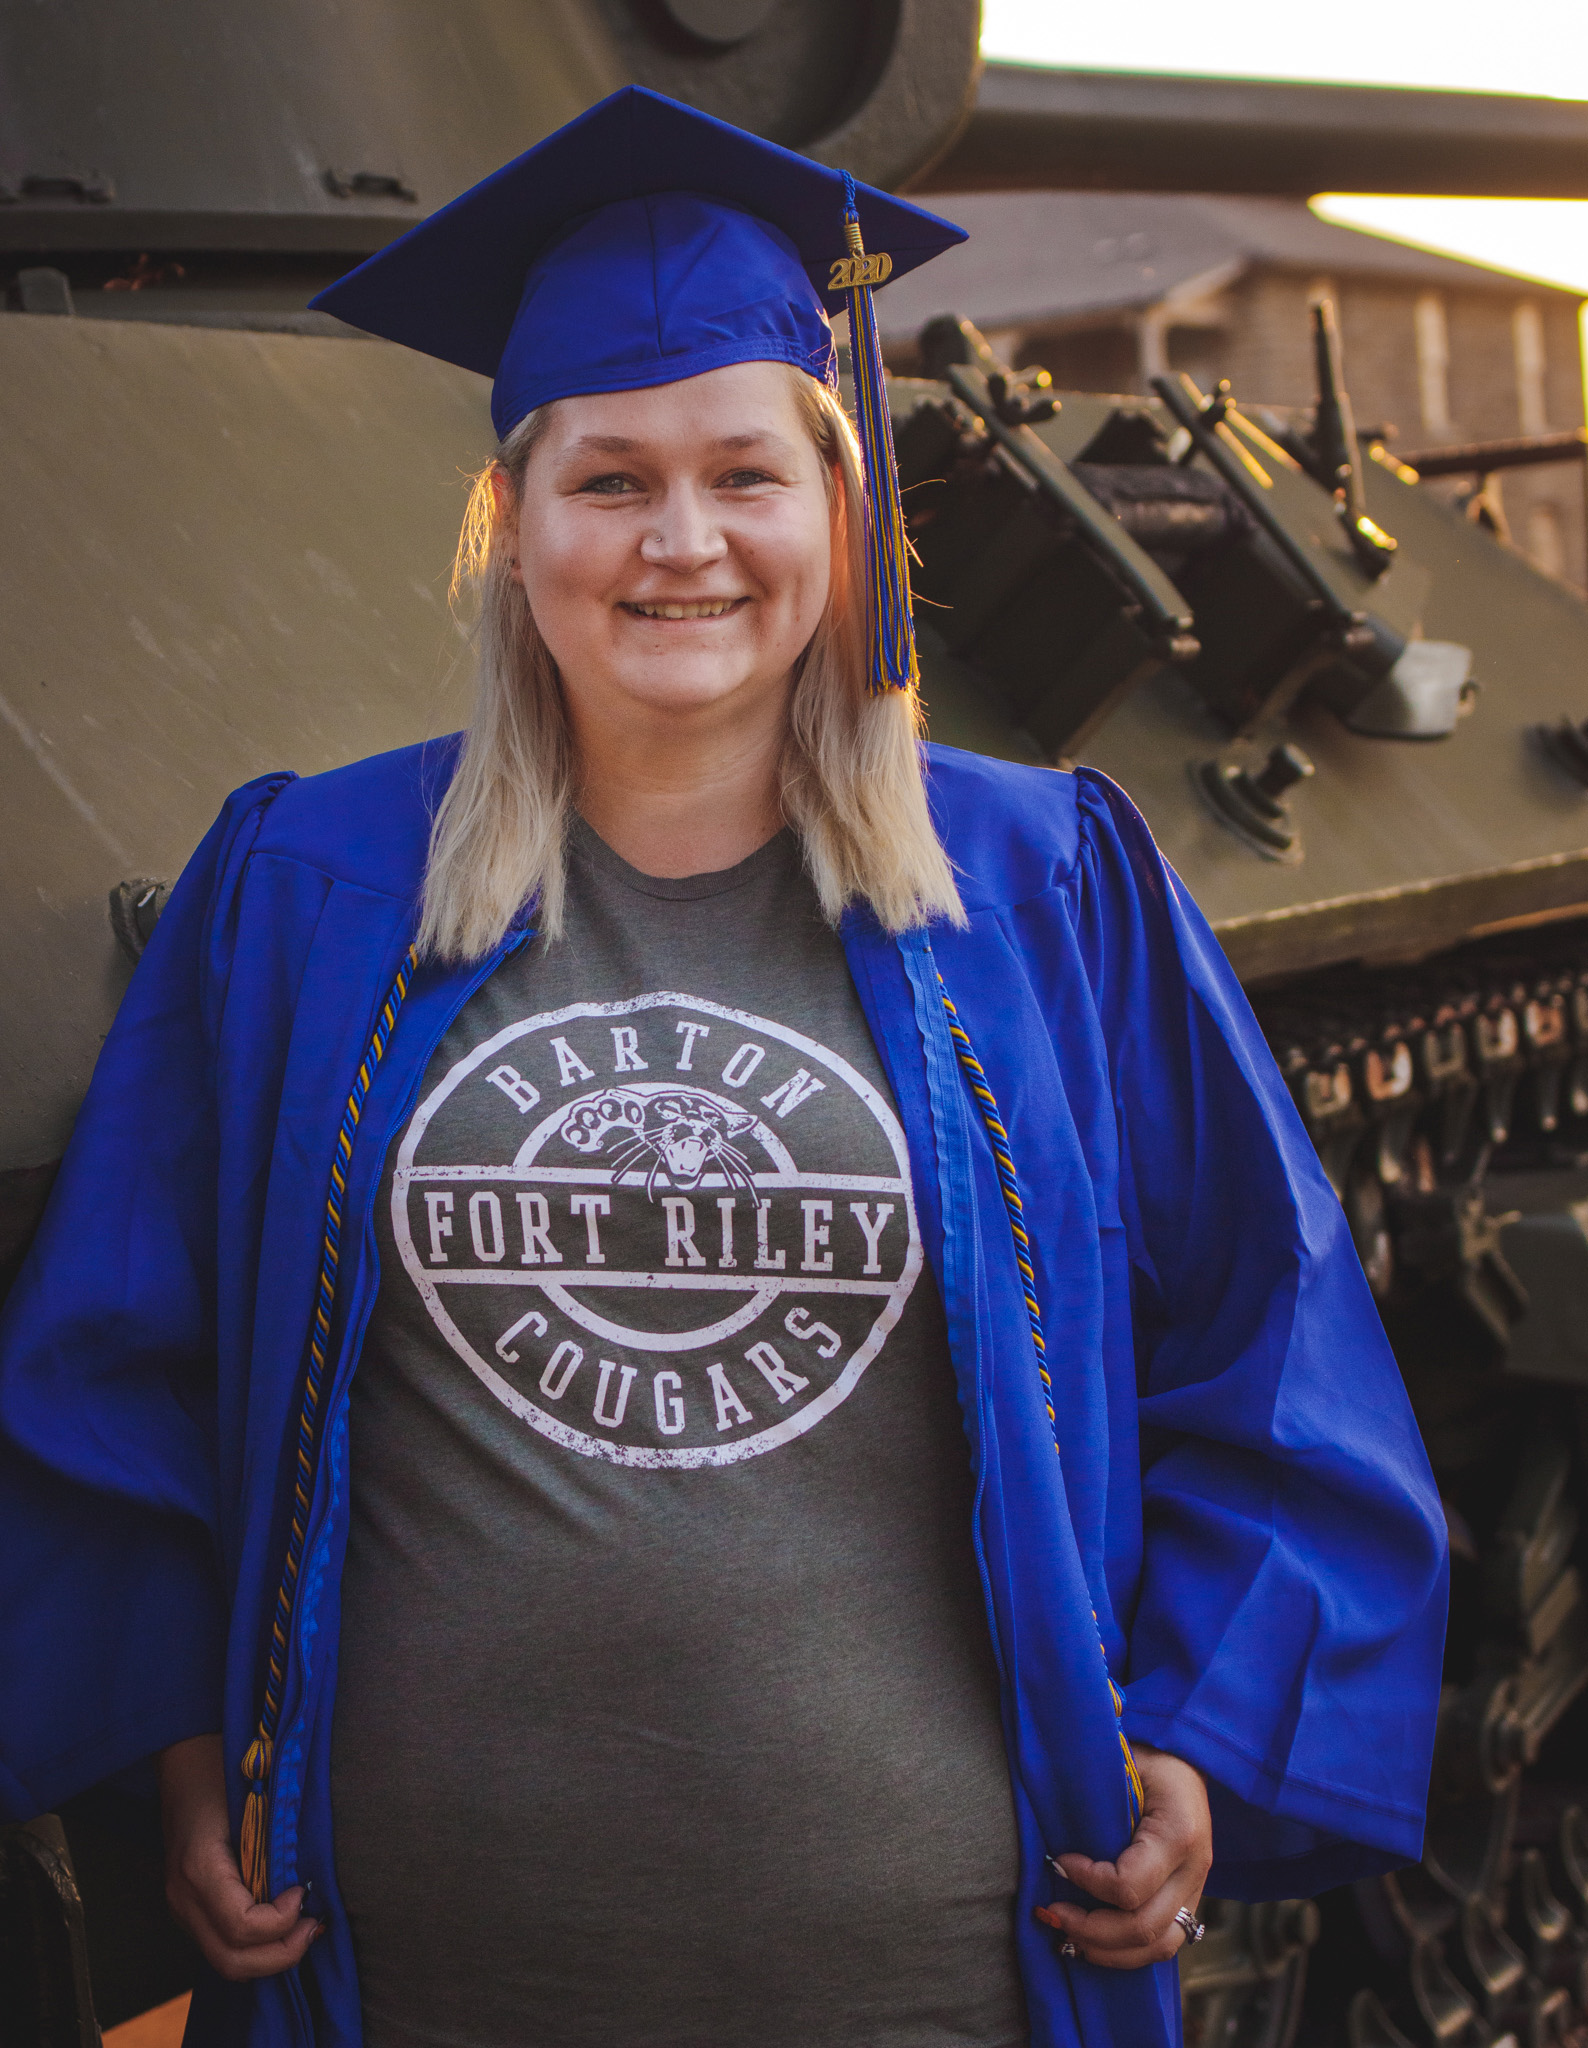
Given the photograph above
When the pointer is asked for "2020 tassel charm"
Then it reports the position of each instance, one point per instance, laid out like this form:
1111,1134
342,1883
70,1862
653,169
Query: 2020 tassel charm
892,630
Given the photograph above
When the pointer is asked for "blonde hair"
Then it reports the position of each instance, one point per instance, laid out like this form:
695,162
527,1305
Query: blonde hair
850,774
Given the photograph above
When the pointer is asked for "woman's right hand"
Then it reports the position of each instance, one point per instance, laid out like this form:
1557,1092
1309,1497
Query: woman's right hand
203,1882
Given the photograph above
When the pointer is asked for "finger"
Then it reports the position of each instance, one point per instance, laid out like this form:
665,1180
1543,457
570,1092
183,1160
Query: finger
239,1936
1167,1839
239,1965
1135,1958
238,1918
1167,1945
245,1923
1106,1930
213,1882
1145,1867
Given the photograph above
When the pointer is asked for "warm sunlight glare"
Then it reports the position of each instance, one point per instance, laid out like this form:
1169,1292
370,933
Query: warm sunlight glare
1546,238
1529,46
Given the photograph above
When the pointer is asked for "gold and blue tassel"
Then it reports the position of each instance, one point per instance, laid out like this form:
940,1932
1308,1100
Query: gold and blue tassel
892,630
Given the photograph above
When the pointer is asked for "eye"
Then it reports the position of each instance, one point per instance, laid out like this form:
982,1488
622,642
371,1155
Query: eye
613,485
746,479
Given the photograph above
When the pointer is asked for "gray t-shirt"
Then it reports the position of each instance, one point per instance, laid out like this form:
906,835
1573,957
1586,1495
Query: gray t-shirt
667,1715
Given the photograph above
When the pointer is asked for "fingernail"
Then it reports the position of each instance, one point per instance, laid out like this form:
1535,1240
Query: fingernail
319,1929
306,1902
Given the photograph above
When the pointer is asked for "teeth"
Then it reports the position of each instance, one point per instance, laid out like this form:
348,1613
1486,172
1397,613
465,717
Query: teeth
712,610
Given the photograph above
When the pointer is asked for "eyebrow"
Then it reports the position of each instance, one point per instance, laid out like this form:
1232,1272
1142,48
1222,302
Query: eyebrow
622,444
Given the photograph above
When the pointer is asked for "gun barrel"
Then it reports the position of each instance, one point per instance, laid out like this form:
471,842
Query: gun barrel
1482,458
1034,129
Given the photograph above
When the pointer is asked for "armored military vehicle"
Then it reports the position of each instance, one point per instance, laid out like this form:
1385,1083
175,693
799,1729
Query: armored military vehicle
1354,719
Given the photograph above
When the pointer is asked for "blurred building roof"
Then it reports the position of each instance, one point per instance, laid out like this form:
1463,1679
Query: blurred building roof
1039,257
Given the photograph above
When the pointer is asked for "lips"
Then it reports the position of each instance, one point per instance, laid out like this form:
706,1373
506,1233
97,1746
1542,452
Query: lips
702,608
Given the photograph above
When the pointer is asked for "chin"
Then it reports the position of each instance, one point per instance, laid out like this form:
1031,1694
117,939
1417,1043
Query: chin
692,687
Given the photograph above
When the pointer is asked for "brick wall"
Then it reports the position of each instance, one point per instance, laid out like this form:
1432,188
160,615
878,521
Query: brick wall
1543,508
1262,342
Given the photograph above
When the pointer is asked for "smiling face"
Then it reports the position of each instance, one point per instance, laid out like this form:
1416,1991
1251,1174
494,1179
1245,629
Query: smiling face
675,546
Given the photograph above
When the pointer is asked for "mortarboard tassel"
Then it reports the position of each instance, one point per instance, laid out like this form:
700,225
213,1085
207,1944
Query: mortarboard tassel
892,630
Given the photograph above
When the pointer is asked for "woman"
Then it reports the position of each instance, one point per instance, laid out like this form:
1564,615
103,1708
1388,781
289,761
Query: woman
750,1116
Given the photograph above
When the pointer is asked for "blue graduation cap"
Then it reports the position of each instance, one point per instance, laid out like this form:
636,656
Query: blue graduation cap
645,243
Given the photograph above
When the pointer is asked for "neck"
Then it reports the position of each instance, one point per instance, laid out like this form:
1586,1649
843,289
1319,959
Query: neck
681,793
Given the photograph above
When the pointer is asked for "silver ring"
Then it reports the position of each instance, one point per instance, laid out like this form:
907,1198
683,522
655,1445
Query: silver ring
1194,1928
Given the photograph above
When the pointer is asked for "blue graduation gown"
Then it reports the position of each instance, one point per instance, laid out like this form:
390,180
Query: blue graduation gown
1241,1508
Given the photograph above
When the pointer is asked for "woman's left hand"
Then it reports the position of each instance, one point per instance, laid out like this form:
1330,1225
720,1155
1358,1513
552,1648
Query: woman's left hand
1162,1869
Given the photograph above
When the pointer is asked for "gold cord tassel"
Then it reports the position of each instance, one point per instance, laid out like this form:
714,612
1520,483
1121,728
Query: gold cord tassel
256,1820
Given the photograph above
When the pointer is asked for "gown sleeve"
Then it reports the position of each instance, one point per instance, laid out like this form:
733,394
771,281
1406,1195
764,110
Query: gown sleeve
112,1604
1288,1631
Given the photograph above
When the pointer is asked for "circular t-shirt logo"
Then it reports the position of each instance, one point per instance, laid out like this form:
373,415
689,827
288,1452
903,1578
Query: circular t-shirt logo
661,1232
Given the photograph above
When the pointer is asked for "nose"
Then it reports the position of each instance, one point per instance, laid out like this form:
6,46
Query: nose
686,536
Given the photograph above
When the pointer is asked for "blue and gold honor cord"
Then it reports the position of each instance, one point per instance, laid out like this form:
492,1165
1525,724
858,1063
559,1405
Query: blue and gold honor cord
252,1851
1003,1159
